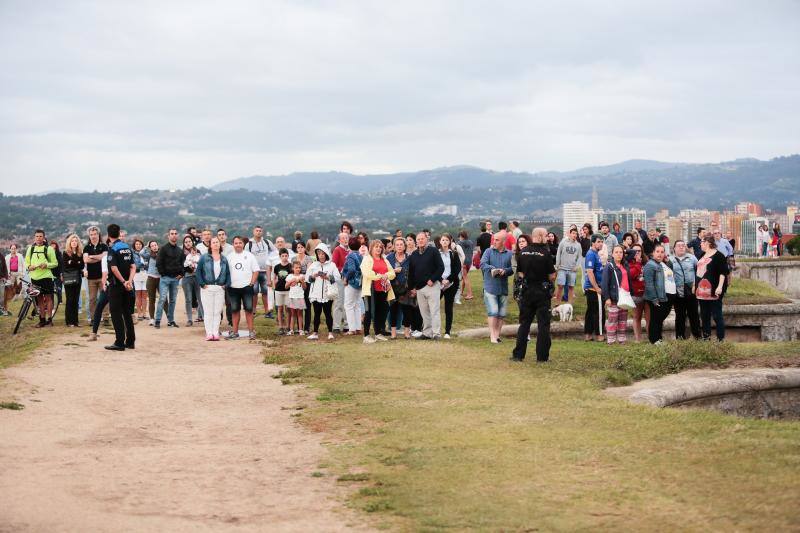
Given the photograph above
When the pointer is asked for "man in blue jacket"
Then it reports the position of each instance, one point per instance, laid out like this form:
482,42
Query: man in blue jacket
496,268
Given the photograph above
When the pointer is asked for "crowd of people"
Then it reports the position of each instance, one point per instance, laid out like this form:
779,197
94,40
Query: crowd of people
380,288
636,273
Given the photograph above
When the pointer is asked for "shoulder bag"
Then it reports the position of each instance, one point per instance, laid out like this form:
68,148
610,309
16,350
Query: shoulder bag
331,292
624,299
72,277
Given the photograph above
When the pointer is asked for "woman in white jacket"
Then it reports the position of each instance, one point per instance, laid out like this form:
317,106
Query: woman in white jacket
762,240
15,265
322,275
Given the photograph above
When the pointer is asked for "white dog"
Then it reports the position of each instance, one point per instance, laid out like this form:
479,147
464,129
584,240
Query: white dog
564,312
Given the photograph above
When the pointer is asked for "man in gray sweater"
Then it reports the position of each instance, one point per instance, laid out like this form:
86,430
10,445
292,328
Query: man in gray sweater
568,258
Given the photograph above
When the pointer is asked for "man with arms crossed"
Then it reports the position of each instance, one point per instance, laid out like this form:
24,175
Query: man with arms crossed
94,254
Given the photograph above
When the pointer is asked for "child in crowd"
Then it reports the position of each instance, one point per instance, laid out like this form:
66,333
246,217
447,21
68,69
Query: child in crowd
297,284
280,272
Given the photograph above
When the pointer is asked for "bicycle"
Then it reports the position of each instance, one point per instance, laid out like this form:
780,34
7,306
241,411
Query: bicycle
29,303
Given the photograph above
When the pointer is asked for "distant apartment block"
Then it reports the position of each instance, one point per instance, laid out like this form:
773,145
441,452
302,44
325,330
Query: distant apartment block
626,217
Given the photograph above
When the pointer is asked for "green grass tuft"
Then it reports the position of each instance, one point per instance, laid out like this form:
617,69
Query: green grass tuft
353,477
14,406
643,361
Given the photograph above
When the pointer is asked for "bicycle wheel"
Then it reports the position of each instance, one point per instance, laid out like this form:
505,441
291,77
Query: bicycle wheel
56,303
23,311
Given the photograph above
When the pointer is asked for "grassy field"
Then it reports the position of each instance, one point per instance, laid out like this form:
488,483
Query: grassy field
15,349
451,435
454,436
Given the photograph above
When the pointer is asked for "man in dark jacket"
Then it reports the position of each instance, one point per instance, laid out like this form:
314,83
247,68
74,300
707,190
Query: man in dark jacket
536,266
484,241
170,265
425,269
694,244
640,230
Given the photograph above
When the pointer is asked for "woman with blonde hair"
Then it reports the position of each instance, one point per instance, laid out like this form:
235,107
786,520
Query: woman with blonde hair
376,288
72,276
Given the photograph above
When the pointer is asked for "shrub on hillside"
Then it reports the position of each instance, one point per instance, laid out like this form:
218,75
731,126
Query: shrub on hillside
642,361
793,246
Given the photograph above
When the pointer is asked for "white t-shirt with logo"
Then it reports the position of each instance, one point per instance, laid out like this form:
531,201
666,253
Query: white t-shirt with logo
242,266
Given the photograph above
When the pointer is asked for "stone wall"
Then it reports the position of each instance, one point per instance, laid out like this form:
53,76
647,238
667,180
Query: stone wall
783,275
753,392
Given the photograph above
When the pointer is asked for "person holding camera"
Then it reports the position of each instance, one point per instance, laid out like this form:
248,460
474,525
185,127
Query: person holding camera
535,267
496,267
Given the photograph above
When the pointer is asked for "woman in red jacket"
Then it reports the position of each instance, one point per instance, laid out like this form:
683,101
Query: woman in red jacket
636,264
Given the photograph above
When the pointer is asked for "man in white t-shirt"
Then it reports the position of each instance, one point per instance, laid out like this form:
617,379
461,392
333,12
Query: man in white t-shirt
260,248
226,247
205,242
244,274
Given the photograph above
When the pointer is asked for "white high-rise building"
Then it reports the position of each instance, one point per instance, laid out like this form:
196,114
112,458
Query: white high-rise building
577,213
693,219
750,233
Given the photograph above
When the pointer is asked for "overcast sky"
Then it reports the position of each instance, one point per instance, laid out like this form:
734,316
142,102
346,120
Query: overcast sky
127,95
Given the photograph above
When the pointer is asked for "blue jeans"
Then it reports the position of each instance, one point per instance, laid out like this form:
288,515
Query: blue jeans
190,285
167,286
495,304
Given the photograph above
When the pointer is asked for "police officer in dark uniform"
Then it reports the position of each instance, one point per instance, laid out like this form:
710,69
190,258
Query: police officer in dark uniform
121,269
535,265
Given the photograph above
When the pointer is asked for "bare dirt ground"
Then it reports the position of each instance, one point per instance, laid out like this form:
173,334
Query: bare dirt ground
177,435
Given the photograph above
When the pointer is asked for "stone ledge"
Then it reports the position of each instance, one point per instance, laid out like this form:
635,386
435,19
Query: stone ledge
695,384
761,309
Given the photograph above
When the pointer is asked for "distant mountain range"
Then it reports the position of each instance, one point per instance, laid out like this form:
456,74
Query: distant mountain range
319,201
438,178
639,182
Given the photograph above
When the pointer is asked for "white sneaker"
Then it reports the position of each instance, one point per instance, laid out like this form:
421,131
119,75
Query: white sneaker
330,336
380,337
369,340
446,335
313,337
152,322
289,332
458,302
416,334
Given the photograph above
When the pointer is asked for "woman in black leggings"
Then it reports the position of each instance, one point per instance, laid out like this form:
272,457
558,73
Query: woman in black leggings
452,268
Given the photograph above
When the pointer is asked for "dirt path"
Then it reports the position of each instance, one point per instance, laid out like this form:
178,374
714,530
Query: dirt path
178,435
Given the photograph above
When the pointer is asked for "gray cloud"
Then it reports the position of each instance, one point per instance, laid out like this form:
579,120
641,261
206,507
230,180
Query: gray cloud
114,95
